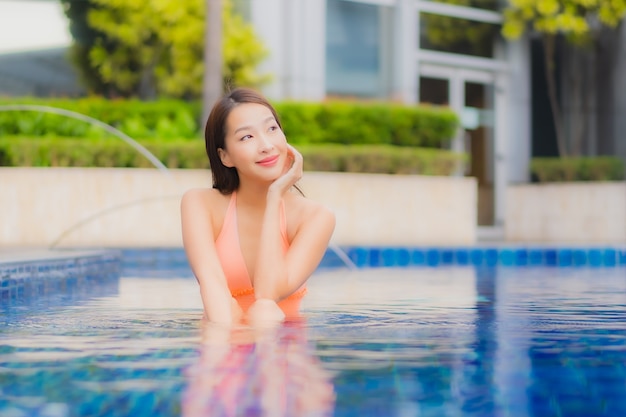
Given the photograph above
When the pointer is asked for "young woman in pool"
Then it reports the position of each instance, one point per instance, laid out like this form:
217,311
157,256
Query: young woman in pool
251,241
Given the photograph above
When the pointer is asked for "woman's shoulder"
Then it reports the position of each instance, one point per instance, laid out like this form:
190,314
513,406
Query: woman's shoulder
206,198
310,210
308,216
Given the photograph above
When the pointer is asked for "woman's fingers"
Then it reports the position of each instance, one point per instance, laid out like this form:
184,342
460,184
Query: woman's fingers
296,167
297,156
292,173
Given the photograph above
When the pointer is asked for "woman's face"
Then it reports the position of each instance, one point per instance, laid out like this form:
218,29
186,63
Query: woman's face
254,143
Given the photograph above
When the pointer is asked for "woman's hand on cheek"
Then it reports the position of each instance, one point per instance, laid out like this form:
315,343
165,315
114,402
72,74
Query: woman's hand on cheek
292,172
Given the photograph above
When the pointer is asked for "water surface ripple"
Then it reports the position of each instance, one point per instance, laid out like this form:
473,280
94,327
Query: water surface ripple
379,342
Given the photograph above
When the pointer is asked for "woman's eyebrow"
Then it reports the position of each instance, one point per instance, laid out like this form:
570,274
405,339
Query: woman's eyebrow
247,127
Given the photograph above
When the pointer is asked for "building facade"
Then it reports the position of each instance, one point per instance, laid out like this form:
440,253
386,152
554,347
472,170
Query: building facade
412,51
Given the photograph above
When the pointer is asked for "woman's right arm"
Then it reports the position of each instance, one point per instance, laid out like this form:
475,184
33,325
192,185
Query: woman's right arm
199,243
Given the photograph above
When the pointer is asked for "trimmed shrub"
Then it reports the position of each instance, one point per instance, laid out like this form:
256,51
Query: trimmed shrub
600,168
381,159
72,152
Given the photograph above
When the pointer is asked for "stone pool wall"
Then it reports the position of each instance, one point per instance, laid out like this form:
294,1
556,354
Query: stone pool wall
100,207
577,212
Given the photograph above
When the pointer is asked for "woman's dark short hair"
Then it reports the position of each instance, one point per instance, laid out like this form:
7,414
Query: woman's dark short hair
226,179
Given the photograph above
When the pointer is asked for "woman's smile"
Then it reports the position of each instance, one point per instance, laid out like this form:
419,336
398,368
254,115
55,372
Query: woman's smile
268,161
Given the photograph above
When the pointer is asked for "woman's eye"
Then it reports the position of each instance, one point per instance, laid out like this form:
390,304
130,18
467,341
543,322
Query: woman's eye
273,128
246,137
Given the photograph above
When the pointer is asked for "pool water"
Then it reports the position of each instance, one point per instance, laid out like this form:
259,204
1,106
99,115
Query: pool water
446,341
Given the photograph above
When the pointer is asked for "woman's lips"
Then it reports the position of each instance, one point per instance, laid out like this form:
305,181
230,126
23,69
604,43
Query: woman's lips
269,161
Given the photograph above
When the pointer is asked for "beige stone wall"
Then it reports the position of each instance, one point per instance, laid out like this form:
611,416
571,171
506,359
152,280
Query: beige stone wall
575,212
99,207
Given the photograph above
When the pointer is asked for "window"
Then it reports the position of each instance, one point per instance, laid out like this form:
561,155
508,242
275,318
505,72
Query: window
459,36
355,34
495,5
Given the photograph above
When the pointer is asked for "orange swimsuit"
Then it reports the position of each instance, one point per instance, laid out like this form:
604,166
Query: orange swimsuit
237,276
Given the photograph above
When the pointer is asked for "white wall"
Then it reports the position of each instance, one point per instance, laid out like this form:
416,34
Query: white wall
140,207
573,212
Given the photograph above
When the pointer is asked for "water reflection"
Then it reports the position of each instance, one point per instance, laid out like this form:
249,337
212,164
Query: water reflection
251,372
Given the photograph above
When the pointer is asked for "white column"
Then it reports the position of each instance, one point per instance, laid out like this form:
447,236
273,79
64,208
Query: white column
307,50
268,19
519,124
501,151
405,54
295,33
457,103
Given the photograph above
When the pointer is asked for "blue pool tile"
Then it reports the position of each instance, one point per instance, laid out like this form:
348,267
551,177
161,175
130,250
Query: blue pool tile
432,257
385,256
579,257
610,257
462,257
491,257
358,256
374,260
403,258
521,257
447,257
389,257
418,257
476,255
565,257
550,257
595,257
507,258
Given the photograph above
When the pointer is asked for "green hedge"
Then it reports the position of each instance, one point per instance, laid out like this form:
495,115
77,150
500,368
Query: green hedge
601,168
337,122
386,159
163,119
72,152
367,123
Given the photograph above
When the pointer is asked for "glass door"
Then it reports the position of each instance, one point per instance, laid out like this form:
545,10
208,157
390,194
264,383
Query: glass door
471,94
478,123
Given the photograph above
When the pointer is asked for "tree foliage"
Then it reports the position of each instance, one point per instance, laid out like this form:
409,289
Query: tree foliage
156,48
576,19
84,38
579,21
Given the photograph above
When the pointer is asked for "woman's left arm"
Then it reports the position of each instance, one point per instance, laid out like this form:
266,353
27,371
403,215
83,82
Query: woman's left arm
278,275
308,248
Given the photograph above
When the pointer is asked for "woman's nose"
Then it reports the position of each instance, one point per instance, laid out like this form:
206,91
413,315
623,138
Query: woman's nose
265,144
